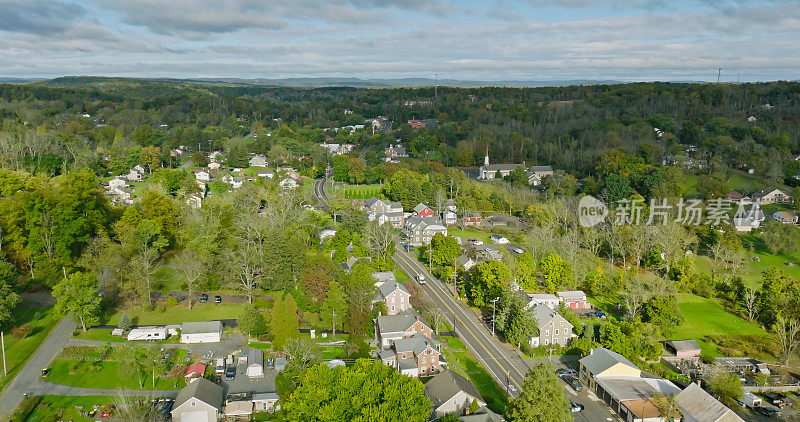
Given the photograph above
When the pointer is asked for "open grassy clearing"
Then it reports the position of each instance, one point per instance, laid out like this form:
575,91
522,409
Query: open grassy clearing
178,314
68,408
357,191
18,350
469,234
704,317
105,375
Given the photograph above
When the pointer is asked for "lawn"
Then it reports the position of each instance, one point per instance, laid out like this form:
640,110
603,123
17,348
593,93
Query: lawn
460,360
105,375
68,408
401,276
358,191
469,234
703,317
42,321
180,313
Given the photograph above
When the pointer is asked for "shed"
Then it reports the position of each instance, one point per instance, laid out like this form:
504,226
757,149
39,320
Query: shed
683,348
201,332
255,363
266,402
199,401
195,370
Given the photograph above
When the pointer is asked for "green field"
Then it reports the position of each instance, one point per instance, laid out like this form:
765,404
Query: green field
42,321
460,360
469,234
180,313
357,191
68,408
703,317
105,375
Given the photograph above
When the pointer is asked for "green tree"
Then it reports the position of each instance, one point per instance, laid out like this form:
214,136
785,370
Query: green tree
726,387
541,399
486,281
365,391
518,177
780,238
124,322
251,321
150,157
200,159
9,299
78,296
334,308
444,249
556,272
284,323
663,311
516,320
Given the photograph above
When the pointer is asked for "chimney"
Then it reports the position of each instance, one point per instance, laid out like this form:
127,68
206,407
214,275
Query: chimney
591,352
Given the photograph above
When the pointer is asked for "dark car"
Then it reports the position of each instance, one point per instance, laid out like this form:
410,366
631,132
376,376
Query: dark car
203,298
217,299
562,372
230,373
574,383
768,411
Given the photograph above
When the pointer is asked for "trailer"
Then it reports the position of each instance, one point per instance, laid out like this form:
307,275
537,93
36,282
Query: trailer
751,400
148,334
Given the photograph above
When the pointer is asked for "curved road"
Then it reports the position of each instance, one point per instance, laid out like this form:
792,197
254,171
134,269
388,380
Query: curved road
319,189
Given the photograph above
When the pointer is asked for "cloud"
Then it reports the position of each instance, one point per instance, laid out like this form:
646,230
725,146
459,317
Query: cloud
38,16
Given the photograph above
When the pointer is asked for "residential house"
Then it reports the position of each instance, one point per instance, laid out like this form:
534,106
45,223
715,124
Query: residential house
734,196
135,175
203,175
396,219
375,206
502,220
214,165
602,362
683,348
684,161
394,295
786,217
696,405
383,277
574,299
194,200
258,160
234,181
449,217
201,332
416,356
483,414
551,301
746,220
472,219
255,362
389,328
267,174
496,238
200,401
420,124
420,231
553,328
451,393
288,183
326,233
422,211
266,402
117,183
238,410
465,262
393,152
771,196
537,173
338,149
195,370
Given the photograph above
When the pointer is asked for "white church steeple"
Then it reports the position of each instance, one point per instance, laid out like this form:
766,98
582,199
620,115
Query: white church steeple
486,158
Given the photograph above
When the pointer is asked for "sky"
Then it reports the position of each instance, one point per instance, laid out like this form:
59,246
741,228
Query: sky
490,40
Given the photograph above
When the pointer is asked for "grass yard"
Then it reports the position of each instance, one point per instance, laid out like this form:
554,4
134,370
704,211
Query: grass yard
68,408
179,314
703,317
105,375
469,234
358,191
401,276
42,321
461,361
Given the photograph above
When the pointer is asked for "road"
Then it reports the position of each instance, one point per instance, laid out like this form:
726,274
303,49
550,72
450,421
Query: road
319,189
28,376
503,362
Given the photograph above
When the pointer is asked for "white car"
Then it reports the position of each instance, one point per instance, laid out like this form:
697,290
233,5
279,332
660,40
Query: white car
518,250
420,279
477,242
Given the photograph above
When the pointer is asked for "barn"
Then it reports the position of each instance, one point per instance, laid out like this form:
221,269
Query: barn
201,332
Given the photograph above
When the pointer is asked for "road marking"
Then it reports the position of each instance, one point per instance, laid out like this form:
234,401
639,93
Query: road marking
410,264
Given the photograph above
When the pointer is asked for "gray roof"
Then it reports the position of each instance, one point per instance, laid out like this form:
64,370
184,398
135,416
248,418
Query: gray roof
463,259
407,363
634,388
388,287
420,207
416,343
255,357
203,390
384,276
399,322
543,296
540,168
697,405
483,415
385,354
372,201
502,167
201,327
684,345
266,396
544,315
601,359
447,384
765,191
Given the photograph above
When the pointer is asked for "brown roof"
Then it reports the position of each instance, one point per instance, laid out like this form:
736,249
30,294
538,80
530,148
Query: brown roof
642,408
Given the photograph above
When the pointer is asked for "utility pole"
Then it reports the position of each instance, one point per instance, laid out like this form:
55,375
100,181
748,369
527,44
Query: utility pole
3,341
430,257
494,308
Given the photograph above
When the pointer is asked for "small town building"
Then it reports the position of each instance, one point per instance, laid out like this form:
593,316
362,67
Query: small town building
696,405
238,411
200,401
395,296
574,299
422,211
389,328
472,219
266,402
258,160
553,328
255,362
768,196
201,332
451,393
537,173
683,348
551,301
785,217
195,370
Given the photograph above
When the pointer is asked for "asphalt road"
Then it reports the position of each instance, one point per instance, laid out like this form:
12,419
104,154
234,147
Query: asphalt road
503,362
319,189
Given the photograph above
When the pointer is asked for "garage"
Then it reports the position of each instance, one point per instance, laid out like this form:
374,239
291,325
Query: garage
201,332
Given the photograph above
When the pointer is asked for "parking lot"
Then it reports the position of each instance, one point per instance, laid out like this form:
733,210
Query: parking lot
594,409
244,384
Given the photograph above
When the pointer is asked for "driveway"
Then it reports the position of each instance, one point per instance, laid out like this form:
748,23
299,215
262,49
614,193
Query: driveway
43,388
28,376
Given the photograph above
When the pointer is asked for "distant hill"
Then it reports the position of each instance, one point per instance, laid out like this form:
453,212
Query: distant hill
12,80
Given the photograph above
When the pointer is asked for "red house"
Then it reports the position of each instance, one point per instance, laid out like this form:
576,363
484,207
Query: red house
472,219
422,211
417,124
195,370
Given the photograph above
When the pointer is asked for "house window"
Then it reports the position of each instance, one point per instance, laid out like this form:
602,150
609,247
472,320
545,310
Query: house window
423,370
546,342
392,307
424,359
556,328
547,333
433,368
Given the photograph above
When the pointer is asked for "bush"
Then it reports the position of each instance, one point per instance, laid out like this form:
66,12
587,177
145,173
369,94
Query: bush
171,301
25,408
22,331
125,322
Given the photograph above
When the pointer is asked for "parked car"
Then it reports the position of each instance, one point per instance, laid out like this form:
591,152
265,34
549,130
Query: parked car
573,382
230,373
575,407
217,299
519,250
600,315
220,367
768,411
477,242
203,298
561,372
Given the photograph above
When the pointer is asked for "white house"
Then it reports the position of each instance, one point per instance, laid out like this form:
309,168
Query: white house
288,183
202,175
214,165
200,401
551,301
258,160
148,333
496,238
201,332
451,393
194,200
266,402
134,175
